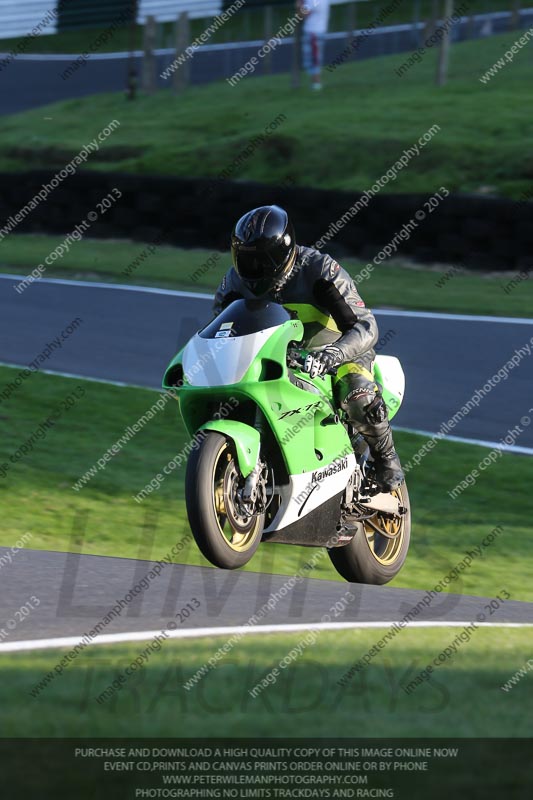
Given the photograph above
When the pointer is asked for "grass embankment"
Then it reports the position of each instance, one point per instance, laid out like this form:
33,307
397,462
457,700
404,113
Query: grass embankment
36,495
462,699
397,286
353,143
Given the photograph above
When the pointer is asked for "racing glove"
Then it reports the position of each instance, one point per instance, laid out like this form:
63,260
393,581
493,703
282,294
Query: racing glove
321,362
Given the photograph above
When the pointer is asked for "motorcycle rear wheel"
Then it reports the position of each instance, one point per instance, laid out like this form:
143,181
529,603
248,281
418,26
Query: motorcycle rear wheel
226,537
378,550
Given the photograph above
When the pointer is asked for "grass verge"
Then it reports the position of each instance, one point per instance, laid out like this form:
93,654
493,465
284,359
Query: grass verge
102,518
463,697
395,286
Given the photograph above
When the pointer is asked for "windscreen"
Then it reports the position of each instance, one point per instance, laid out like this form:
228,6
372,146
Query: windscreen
243,317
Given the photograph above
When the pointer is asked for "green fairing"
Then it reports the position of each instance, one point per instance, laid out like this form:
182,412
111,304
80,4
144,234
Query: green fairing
175,361
245,438
304,442
392,401
300,433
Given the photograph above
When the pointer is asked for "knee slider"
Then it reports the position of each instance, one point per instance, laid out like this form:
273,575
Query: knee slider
357,401
377,411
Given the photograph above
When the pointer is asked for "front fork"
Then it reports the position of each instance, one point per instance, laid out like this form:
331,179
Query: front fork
253,493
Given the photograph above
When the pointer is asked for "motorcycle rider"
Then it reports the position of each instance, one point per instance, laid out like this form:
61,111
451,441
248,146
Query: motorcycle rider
339,331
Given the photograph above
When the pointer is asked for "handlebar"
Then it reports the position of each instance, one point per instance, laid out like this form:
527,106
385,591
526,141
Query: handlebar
296,359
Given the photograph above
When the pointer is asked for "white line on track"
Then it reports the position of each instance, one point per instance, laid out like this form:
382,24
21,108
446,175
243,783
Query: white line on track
506,448
124,287
84,378
241,630
390,312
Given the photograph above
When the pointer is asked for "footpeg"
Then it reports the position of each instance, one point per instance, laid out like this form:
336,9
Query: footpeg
383,502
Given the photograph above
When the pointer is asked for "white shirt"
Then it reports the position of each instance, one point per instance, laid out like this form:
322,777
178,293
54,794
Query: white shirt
318,19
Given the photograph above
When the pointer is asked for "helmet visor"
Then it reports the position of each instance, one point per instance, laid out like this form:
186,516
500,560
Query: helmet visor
252,265
259,268
256,268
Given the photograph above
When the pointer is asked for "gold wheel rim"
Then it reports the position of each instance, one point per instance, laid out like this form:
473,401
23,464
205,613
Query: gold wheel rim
225,472
385,549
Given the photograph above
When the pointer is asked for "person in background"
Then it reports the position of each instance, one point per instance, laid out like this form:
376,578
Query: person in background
316,20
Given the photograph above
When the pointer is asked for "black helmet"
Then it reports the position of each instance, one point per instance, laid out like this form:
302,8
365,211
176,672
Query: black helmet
263,248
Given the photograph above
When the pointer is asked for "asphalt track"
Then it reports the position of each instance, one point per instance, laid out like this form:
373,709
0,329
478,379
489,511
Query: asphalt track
130,336
77,591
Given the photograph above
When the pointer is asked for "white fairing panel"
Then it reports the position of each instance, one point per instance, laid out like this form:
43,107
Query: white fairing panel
392,375
308,490
222,361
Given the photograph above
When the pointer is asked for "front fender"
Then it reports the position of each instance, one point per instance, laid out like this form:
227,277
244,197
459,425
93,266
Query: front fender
245,438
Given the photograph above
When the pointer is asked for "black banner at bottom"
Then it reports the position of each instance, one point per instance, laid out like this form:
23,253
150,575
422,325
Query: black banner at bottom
267,768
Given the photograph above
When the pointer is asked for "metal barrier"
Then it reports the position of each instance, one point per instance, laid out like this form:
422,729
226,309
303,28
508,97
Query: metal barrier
168,10
19,19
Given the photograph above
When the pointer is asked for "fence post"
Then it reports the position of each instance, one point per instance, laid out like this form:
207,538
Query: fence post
182,74
444,49
471,26
150,33
296,78
431,24
131,87
351,24
268,33
416,20
515,15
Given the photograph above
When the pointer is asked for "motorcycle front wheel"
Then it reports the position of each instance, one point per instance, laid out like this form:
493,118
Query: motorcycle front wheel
378,550
224,534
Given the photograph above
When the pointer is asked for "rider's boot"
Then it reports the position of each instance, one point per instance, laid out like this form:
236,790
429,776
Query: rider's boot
378,436
359,396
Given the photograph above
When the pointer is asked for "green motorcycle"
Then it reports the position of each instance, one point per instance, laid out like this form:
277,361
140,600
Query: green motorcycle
274,461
